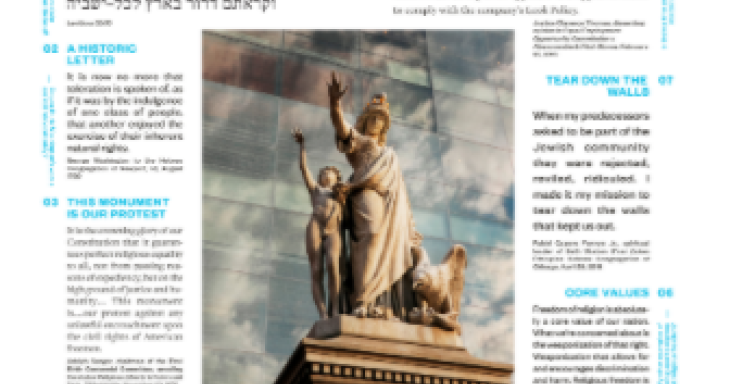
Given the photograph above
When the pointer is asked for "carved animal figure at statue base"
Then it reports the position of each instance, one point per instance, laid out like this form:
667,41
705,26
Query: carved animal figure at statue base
438,289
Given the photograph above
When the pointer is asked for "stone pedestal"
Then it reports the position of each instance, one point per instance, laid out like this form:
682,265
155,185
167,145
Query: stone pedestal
346,349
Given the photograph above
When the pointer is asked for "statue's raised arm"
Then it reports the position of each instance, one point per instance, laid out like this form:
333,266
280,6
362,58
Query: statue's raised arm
336,92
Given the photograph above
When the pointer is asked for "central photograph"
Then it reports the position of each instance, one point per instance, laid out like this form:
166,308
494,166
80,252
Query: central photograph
358,199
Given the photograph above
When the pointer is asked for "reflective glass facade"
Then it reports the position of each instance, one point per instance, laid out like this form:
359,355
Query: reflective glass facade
451,97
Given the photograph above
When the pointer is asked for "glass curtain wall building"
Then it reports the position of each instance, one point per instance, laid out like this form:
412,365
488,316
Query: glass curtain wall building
451,97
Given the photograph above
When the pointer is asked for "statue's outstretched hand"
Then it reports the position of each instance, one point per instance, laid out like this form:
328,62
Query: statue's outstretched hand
297,135
335,89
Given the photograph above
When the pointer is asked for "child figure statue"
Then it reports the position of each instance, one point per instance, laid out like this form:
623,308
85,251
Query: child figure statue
324,232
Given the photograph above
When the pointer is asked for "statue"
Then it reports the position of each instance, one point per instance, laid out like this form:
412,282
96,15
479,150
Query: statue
324,233
381,228
403,325
373,208
438,289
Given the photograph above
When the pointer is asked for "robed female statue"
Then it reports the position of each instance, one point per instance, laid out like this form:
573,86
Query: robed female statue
382,232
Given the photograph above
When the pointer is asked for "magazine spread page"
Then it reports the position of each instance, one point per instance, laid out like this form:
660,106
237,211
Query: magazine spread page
406,191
